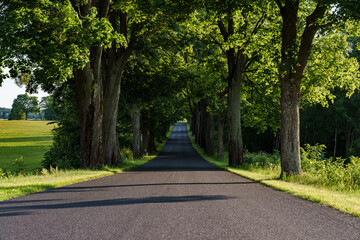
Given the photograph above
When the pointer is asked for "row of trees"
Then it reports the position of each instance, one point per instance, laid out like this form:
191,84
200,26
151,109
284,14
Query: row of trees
285,53
246,63
4,113
23,105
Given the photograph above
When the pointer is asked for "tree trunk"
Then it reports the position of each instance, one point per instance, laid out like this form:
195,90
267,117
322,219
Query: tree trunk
290,127
151,146
349,139
135,122
114,61
197,124
192,125
203,121
113,67
236,148
209,130
236,60
89,105
220,148
294,59
335,145
145,132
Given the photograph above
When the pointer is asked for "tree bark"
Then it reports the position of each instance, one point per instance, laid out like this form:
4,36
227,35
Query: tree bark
292,69
112,83
135,122
114,61
290,127
236,68
145,132
208,129
152,146
220,147
203,121
197,124
349,139
335,145
236,148
89,105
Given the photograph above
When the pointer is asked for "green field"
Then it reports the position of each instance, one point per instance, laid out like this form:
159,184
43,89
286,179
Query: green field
26,139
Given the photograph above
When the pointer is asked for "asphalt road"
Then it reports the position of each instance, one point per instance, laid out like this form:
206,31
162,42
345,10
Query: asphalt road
175,196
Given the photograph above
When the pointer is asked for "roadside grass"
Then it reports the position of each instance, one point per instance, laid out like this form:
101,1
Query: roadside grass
19,185
344,199
26,141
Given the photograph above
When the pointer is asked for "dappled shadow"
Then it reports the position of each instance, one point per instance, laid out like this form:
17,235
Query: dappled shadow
17,210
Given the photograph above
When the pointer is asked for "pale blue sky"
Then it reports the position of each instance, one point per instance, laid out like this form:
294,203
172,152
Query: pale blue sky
9,91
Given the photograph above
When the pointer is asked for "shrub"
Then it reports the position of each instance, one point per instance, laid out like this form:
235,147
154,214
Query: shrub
65,151
312,157
126,154
19,165
262,159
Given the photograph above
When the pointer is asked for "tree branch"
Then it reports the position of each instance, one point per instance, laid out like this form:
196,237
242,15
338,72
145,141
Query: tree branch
280,6
308,36
223,30
218,43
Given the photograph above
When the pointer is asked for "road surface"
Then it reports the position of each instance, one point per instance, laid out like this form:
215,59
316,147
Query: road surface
175,196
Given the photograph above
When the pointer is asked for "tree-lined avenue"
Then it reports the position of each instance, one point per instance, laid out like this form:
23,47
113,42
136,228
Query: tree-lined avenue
177,195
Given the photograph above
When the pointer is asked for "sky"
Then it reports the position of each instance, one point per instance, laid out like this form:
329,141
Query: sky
9,91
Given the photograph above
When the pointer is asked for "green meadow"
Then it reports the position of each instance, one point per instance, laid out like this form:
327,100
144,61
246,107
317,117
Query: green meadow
29,140
25,141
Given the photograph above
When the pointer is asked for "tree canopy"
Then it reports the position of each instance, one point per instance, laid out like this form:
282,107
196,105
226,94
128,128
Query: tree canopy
23,105
120,70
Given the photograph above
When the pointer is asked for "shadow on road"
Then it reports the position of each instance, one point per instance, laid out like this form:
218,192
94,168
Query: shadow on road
22,210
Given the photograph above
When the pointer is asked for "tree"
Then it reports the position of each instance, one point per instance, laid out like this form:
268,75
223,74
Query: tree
298,35
46,105
90,41
23,105
243,31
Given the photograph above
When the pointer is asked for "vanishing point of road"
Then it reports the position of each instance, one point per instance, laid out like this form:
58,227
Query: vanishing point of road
177,195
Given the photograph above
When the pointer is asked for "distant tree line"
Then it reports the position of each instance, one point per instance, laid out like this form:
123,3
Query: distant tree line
28,107
4,113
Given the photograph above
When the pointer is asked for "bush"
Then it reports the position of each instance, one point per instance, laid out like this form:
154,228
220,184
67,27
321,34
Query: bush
65,151
2,173
126,154
262,159
318,170
19,165
312,157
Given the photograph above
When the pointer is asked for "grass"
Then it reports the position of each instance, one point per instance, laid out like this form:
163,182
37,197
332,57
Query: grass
28,140
345,200
20,185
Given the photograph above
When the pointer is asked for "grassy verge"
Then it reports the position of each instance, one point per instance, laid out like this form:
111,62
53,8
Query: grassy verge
20,185
347,201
